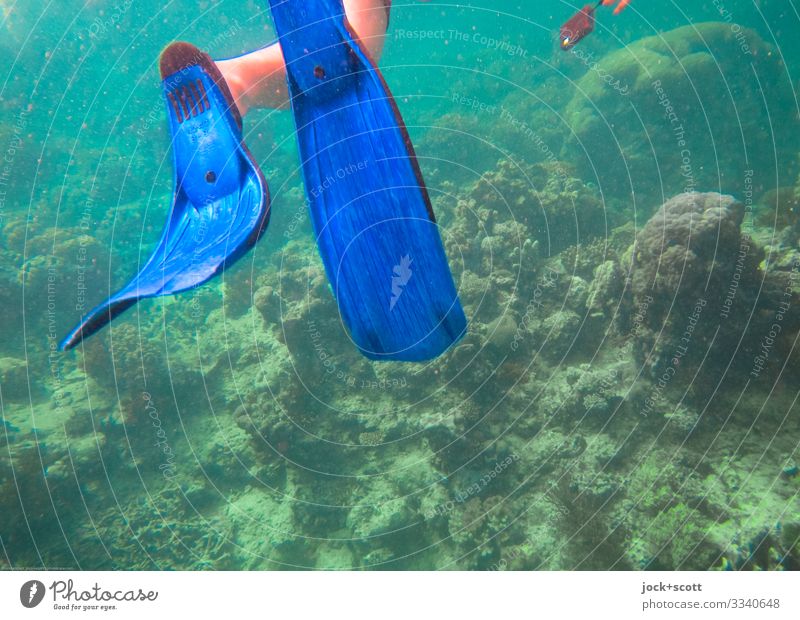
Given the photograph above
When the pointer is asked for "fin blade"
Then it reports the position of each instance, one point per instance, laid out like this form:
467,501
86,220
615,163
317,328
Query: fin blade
93,322
369,205
221,204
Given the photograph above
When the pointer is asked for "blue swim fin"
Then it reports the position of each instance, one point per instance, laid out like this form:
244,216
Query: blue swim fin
369,206
221,201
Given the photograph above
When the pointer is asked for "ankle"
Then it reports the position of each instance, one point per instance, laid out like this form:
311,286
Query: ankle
235,84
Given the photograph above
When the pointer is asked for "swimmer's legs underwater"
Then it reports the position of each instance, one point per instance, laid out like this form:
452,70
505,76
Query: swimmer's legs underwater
258,79
220,201
375,229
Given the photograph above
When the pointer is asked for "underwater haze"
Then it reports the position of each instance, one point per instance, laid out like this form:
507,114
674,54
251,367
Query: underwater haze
622,220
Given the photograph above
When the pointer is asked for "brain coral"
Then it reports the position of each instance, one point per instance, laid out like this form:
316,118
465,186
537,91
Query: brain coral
701,298
691,240
683,262
690,108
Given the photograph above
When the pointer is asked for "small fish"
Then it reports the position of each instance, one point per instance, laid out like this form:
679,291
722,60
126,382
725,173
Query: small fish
577,27
582,23
790,471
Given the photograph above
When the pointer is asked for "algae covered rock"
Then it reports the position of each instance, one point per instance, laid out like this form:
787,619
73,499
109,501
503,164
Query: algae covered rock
692,238
696,108
63,281
546,202
700,294
683,259
14,379
558,332
10,298
606,288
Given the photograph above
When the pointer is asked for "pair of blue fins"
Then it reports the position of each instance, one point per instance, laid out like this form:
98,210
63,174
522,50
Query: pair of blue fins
375,227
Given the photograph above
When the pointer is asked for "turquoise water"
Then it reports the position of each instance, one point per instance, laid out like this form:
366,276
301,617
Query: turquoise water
625,397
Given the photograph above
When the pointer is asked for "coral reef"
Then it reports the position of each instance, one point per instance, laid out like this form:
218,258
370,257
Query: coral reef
553,206
675,126
625,397
536,443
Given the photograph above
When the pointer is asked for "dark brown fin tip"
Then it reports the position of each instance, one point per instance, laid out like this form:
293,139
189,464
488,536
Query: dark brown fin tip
180,55
387,4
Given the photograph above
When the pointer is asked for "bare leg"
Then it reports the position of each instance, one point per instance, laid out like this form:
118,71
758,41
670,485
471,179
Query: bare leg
258,79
